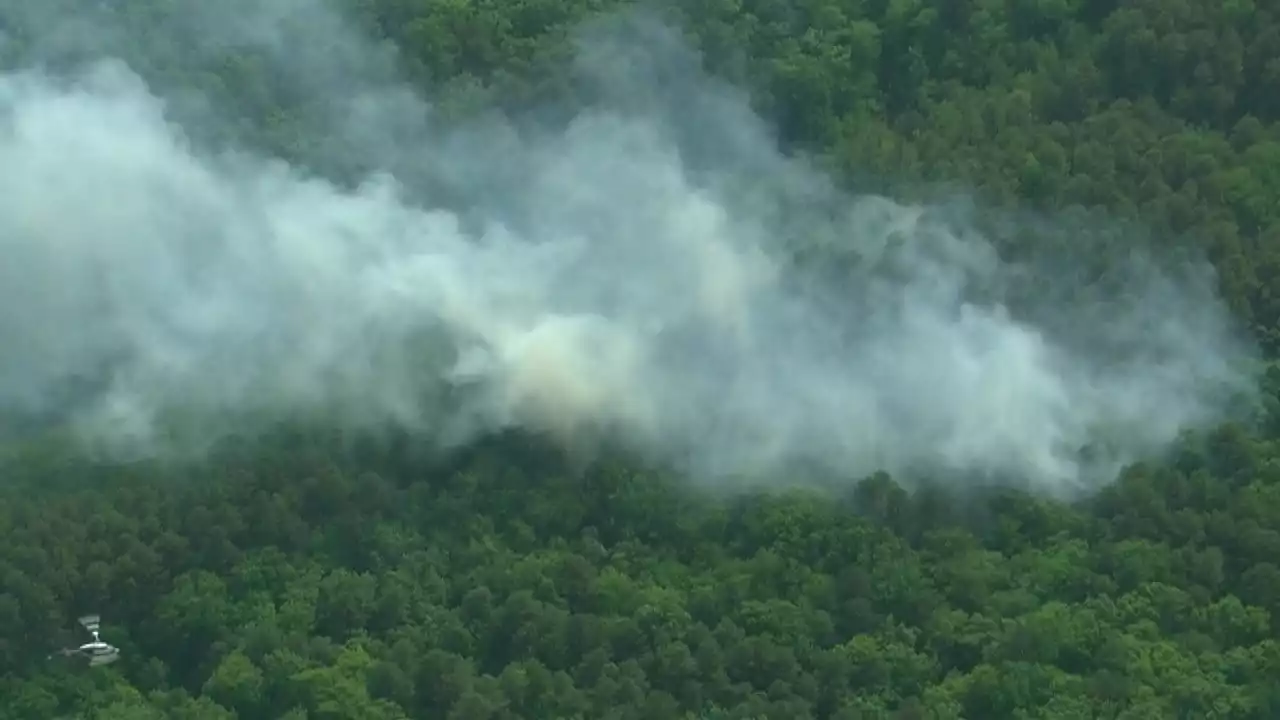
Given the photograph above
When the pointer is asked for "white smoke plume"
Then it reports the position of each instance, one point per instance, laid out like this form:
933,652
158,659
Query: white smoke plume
630,276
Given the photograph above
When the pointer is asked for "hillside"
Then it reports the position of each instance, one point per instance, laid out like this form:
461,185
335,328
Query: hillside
1069,507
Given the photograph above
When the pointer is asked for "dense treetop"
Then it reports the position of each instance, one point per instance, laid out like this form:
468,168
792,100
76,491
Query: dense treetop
302,576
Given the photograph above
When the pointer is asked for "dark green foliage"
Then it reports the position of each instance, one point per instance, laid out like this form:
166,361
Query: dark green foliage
298,579
336,593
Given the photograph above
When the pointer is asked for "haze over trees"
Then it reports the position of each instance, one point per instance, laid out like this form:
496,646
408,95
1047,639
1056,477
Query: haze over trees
647,485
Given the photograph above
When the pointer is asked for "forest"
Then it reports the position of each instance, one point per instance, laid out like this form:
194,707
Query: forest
309,572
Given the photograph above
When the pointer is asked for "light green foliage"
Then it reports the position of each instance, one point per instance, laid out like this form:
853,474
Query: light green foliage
288,581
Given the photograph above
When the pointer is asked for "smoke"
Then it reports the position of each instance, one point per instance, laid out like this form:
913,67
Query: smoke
638,275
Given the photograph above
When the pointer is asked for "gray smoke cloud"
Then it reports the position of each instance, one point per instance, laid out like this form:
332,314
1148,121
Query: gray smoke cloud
631,276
